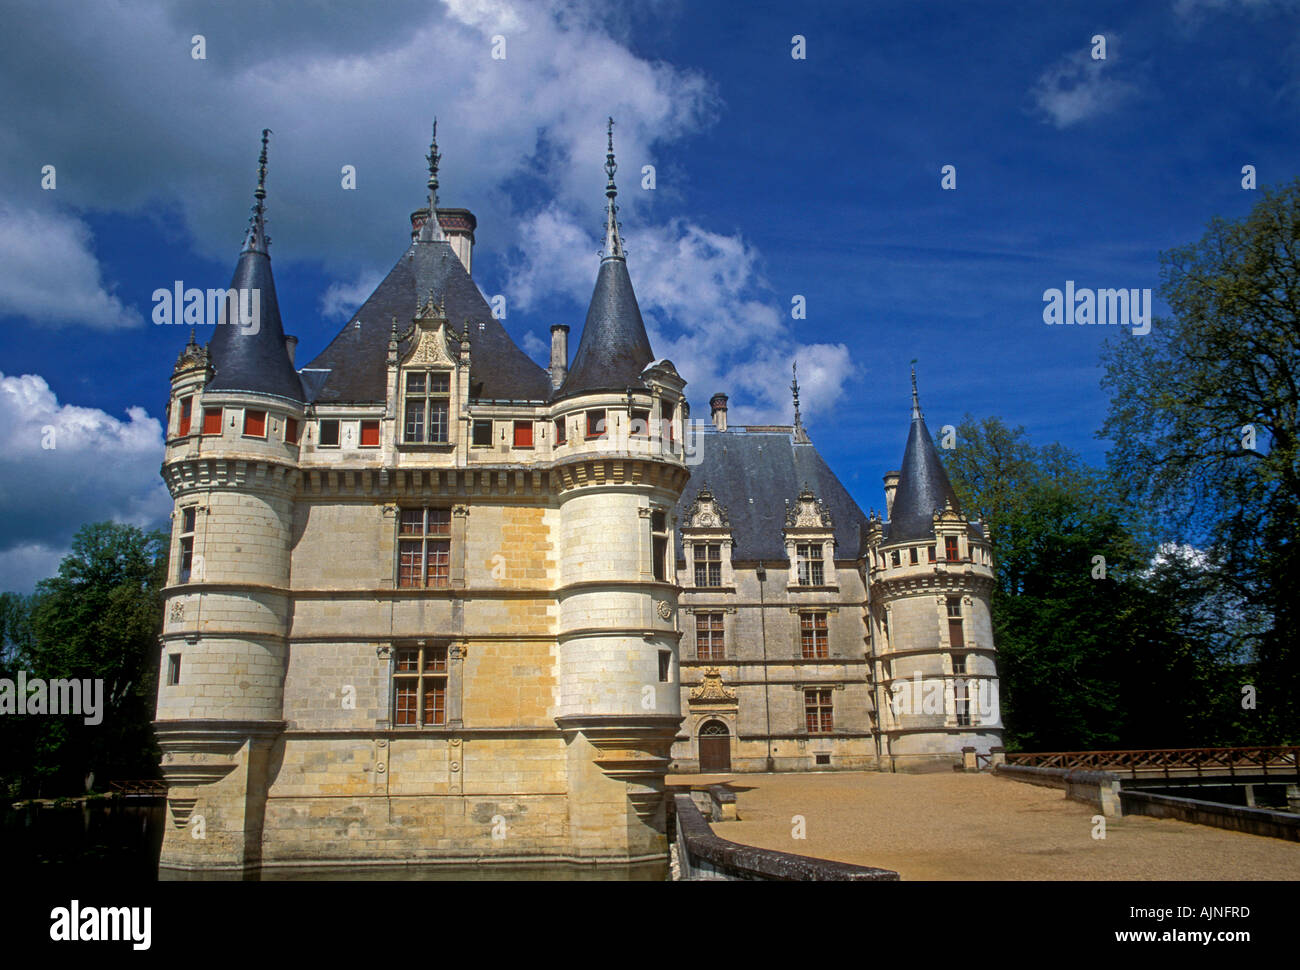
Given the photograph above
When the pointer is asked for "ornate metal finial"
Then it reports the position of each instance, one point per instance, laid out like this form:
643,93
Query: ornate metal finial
613,242
916,402
432,229
255,239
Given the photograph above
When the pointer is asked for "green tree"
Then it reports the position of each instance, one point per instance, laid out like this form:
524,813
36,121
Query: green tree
98,619
1091,654
1205,421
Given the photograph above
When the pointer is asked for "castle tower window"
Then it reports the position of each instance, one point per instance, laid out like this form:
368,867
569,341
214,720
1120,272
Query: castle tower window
813,636
668,426
188,517
212,420
708,564
482,435
950,548
640,424
424,548
596,424
561,433
959,663
709,641
817,711
187,408
665,665
329,433
931,548
291,431
173,669
254,424
961,699
894,559
369,434
523,434
811,568
955,637
659,544
427,409
915,555
420,685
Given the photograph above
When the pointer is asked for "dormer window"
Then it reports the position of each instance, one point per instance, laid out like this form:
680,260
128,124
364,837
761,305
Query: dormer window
427,407
708,564
950,548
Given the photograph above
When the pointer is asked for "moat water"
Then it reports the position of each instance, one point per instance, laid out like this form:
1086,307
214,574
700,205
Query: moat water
122,840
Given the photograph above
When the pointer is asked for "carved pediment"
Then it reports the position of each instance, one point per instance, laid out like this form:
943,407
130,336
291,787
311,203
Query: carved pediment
712,688
435,343
948,515
808,512
706,513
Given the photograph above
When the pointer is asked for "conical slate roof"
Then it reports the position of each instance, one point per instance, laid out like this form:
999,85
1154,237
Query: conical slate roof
253,358
614,348
923,485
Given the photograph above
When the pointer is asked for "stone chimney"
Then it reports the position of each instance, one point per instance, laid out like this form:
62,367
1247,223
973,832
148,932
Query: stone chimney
559,354
891,486
458,226
290,346
719,405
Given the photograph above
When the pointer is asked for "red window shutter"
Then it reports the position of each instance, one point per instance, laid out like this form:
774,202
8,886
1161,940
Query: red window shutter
187,406
255,424
291,430
523,434
369,434
212,420
955,637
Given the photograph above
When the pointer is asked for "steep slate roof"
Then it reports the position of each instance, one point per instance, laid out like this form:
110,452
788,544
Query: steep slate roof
244,360
358,357
614,348
769,468
923,487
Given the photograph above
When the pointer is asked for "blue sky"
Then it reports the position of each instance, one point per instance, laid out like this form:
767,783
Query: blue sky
775,176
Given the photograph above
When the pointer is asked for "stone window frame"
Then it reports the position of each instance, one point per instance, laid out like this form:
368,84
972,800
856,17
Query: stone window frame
824,711
811,625
187,533
430,400
721,631
425,536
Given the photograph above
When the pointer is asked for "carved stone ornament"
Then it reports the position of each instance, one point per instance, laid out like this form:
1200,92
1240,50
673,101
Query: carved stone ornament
177,613
705,512
712,688
431,343
808,512
664,610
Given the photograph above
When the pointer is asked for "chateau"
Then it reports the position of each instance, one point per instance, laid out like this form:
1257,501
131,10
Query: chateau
430,601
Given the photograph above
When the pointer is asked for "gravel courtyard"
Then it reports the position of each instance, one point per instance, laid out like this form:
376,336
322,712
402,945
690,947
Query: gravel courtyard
974,826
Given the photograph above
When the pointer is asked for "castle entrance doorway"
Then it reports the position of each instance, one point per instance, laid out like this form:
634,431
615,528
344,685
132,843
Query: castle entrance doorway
715,747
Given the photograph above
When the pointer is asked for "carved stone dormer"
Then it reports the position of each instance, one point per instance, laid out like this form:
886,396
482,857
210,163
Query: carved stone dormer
193,357
435,343
809,541
707,543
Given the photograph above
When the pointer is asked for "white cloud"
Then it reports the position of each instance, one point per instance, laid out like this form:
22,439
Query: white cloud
537,348
707,308
49,273
341,300
99,468
1077,87
336,89
23,566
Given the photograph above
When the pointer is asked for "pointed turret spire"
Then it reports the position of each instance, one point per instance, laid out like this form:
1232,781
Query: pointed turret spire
614,348
432,229
255,238
800,435
923,485
248,347
613,242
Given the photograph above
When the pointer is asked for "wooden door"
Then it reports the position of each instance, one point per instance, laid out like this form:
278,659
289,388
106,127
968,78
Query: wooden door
715,748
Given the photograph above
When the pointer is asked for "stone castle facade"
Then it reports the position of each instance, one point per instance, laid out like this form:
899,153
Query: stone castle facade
429,601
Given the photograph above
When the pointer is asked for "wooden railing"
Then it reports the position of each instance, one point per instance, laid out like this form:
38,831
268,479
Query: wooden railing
1264,760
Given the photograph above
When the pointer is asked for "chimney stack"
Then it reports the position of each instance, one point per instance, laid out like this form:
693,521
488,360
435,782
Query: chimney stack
719,405
458,227
559,355
891,486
